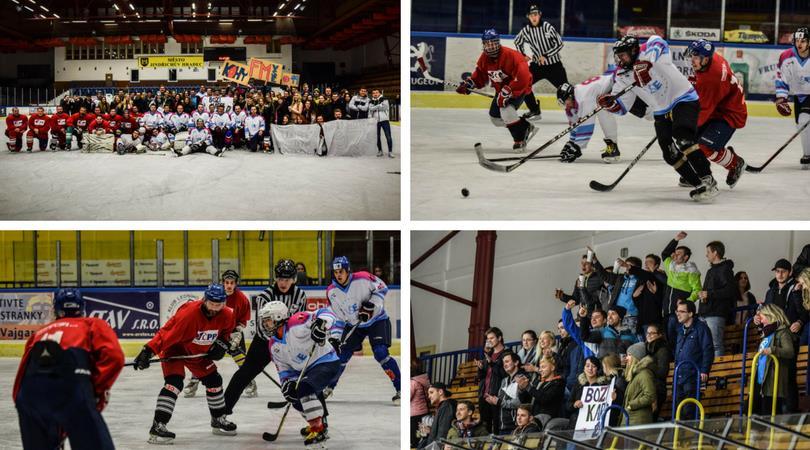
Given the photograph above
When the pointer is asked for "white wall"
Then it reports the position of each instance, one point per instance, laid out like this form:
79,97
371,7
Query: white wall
529,265
95,70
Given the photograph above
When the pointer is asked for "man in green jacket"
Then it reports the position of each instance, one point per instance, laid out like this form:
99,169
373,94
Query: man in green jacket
683,281
465,427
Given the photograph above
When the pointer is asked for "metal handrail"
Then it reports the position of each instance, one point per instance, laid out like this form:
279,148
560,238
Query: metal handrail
754,363
677,417
742,368
675,383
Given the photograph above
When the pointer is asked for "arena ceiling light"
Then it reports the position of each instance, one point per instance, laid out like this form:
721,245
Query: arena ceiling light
131,7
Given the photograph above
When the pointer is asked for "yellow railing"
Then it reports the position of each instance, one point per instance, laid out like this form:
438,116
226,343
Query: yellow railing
775,383
678,418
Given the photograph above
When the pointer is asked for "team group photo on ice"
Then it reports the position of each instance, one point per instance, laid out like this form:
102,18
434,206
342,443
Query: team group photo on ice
72,370
272,88
688,100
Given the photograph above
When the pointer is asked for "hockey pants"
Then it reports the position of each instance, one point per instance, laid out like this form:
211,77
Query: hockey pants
676,133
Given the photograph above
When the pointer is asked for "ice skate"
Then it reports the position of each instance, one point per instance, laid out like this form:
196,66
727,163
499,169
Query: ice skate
396,398
734,174
251,391
611,152
159,435
222,427
327,392
706,191
315,440
191,387
805,162
533,116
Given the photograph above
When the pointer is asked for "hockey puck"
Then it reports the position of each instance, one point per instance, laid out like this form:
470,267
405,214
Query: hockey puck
465,192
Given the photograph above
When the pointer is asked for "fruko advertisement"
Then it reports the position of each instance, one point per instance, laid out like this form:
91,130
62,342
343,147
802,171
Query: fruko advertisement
23,313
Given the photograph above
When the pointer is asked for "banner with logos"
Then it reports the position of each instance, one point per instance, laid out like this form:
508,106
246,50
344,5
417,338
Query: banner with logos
432,51
23,313
173,61
693,34
236,72
133,314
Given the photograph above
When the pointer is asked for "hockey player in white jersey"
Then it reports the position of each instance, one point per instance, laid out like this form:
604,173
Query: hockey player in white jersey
675,107
160,140
130,143
151,121
580,100
199,140
238,116
254,129
220,123
199,113
298,343
177,122
357,300
793,78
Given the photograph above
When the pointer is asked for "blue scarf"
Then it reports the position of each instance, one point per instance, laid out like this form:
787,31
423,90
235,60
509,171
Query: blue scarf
762,364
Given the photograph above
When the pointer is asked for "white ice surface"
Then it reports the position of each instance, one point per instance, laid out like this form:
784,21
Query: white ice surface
444,161
239,186
361,414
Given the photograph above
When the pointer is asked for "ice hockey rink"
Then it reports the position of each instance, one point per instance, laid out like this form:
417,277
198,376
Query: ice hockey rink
158,186
361,414
444,162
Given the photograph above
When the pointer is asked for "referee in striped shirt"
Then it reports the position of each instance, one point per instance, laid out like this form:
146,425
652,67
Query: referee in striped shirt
545,64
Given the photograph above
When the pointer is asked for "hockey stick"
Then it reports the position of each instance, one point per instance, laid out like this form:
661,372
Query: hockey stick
597,186
270,404
170,358
489,164
270,436
423,68
759,169
518,158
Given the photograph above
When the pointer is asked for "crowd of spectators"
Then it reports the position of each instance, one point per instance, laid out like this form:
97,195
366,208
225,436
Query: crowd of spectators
627,323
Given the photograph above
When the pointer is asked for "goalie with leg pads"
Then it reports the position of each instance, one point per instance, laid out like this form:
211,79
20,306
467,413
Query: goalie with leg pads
199,140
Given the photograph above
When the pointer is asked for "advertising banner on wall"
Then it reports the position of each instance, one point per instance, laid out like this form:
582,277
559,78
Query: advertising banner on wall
106,272
432,50
693,34
133,314
23,313
176,61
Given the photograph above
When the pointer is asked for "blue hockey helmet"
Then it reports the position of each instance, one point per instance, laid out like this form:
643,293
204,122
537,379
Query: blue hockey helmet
341,262
701,47
69,302
215,292
492,42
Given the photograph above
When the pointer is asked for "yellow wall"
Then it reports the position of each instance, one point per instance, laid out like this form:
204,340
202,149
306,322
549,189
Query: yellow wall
107,245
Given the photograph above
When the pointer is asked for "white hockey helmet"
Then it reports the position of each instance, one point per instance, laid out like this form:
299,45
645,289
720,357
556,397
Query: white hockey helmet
277,312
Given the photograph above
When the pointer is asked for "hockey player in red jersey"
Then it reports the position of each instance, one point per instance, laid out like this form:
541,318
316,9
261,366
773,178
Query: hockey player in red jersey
65,376
128,123
99,126
509,75
722,107
16,124
198,327
39,126
59,124
77,125
114,120
240,304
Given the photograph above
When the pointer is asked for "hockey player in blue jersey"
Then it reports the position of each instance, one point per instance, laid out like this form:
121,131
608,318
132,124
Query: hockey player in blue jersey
675,106
357,299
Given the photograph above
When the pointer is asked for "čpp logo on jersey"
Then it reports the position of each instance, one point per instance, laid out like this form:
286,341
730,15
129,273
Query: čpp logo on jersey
205,337
497,76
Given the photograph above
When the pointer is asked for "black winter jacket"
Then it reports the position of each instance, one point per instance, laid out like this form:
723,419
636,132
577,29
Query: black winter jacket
722,290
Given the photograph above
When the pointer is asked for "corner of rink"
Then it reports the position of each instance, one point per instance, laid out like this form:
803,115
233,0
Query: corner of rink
361,414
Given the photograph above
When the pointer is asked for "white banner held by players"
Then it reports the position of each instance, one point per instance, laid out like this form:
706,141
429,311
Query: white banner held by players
351,137
595,399
296,139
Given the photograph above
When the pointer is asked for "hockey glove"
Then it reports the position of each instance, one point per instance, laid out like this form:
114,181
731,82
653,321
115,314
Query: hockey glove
466,86
641,72
609,103
142,360
217,350
783,106
570,152
366,311
236,338
318,331
289,391
504,96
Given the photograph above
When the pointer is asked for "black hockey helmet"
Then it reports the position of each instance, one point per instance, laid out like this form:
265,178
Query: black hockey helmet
627,44
230,273
533,9
801,33
564,92
285,268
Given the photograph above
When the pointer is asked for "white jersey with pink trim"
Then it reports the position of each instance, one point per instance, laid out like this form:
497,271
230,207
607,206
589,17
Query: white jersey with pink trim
792,75
345,300
290,351
586,95
152,119
221,120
